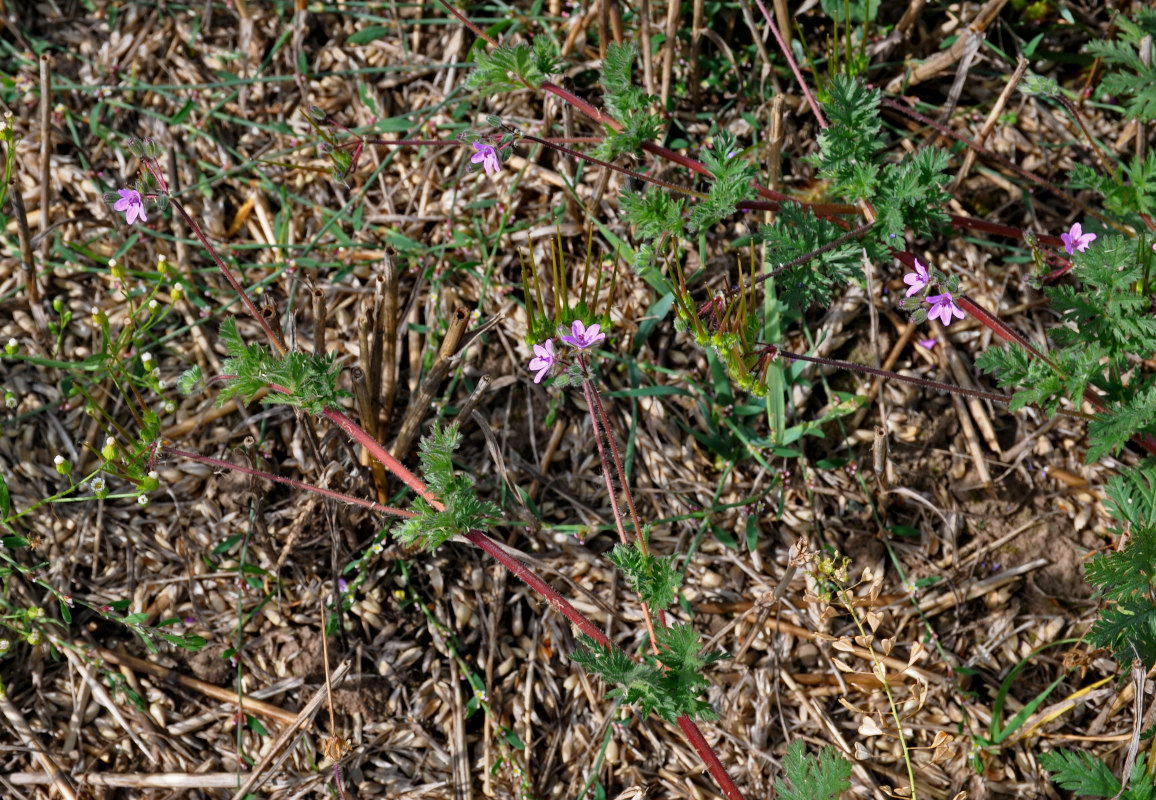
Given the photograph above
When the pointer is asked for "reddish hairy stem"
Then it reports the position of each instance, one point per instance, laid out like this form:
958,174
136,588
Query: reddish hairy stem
344,498
623,170
196,229
584,624
1018,170
706,753
362,437
1002,230
591,405
592,392
544,590
375,449
786,51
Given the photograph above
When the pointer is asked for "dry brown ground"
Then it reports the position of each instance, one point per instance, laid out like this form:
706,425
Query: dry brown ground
1008,558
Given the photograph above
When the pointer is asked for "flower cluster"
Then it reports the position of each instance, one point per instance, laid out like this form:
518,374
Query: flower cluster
580,338
943,305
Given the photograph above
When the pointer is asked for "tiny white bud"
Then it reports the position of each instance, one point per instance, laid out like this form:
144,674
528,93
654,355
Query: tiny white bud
146,357
110,442
58,460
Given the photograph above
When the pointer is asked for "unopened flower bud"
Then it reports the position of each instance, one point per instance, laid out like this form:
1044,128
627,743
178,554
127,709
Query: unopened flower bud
58,304
118,270
99,318
150,482
34,638
146,358
35,612
12,348
5,646
178,292
162,264
63,465
110,451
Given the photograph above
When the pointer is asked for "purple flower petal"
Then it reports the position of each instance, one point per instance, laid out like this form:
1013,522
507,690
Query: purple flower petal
943,308
487,156
1076,240
131,205
918,280
543,360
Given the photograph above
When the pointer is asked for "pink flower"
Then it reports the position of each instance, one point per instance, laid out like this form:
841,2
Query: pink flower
487,156
927,343
943,306
917,280
543,359
583,337
132,205
1075,239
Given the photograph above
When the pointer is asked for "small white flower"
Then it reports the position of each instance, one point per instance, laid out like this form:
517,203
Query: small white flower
154,305
156,372
143,500
170,407
99,485
161,384
10,400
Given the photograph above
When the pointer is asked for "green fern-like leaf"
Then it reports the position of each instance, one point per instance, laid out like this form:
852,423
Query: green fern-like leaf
508,67
1132,496
652,213
1081,773
795,232
669,689
297,379
1013,367
634,683
627,103
463,510
849,144
1134,81
654,578
912,195
1110,431
806,778
732,183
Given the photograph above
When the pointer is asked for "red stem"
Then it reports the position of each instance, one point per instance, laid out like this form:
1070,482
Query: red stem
706,753
196,229
584,624
344,498
786,51
381,454
531,579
